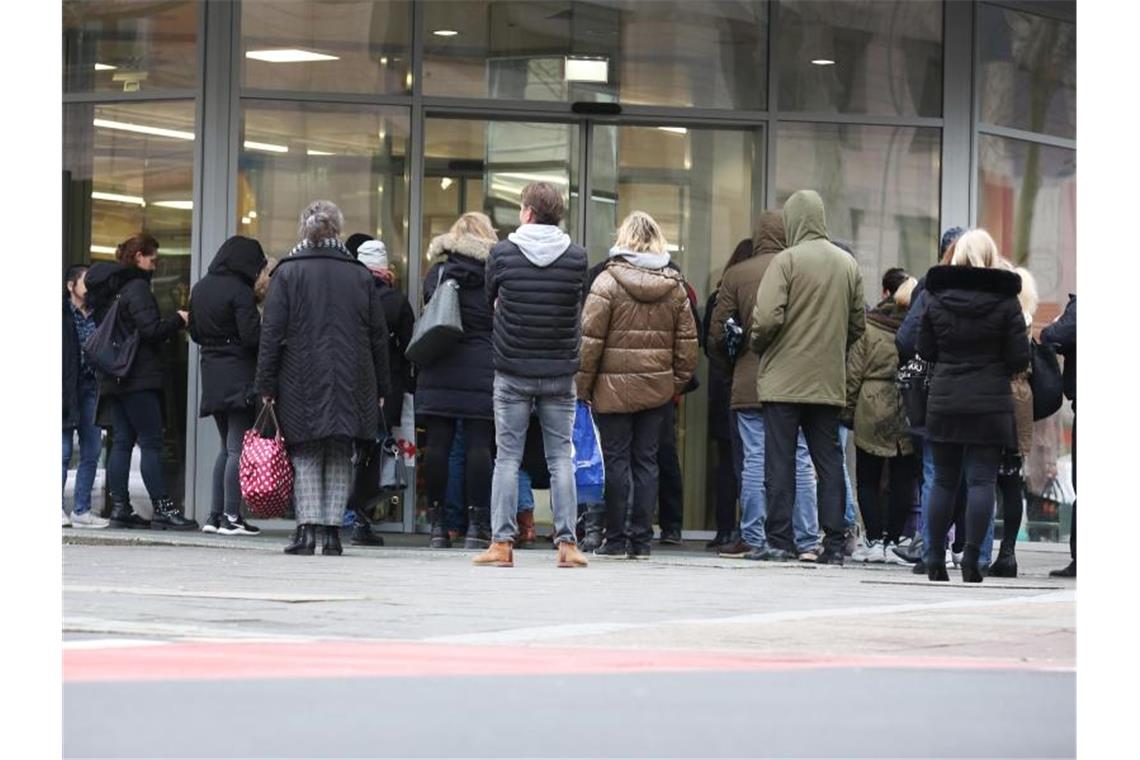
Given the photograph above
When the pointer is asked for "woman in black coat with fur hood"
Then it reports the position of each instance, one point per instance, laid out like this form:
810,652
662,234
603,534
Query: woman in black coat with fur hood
974,333
225,322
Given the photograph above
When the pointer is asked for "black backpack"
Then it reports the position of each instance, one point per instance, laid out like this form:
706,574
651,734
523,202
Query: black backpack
111,348
913,382
1045,380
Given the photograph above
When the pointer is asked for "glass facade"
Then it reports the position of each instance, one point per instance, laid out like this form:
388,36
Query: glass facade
713,111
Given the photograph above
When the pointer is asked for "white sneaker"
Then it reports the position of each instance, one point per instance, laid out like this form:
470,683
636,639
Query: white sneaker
889,556
872,552
953,558
88,520
66,519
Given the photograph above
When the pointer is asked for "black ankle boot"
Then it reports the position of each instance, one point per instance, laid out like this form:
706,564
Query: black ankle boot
936,567
1005,566
332,541
168,516
971,573
439,537
478,528
595,530
304,540
123,514
362,535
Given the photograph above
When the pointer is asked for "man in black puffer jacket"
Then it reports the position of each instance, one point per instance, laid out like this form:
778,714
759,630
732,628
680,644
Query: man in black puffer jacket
536,284
1063,334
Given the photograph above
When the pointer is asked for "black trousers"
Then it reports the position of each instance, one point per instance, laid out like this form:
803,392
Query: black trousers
820,424
478,436
671,494
884,523
979,464
1073,521
630,445
727,485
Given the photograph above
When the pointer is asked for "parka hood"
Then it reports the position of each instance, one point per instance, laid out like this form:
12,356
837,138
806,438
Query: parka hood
888,315
769,236
644,285
241,256
106,278
804,218
643,259
966,289
464,245
542,244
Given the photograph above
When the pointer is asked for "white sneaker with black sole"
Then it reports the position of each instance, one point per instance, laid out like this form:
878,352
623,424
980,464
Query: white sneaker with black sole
872,552
213,522
88,519
237,527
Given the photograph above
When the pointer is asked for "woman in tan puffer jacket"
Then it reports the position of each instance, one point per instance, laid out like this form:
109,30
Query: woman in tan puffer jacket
639,349
1010,481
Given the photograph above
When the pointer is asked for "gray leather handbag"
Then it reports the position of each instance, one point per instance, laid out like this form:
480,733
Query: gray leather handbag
439,326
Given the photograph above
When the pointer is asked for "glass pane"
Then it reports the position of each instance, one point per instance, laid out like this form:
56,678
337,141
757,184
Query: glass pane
708,54
1028,71
860,56
704,187
327,46
128,168
112,46
880,189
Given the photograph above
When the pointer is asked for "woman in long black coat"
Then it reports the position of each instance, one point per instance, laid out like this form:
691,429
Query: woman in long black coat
460,385
225,322
135,401
974,333
323,364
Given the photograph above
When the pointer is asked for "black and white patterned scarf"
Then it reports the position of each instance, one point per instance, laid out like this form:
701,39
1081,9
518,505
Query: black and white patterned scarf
324,246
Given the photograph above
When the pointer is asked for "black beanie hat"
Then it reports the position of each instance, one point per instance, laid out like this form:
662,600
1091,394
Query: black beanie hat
354,241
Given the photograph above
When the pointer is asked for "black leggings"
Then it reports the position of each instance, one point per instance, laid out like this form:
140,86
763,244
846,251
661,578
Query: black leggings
479,435
868,476
981,465
1010,485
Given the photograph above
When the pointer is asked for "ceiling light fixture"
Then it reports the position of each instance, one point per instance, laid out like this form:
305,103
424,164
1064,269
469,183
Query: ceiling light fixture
587,70
445,183
245,220
445,33
134,200
107,250
823,61
252,214
289,55
142,129
105,67
675,130
181,205
267,147
311,152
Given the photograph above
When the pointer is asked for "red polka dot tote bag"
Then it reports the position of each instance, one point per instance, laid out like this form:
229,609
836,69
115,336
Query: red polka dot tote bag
264,470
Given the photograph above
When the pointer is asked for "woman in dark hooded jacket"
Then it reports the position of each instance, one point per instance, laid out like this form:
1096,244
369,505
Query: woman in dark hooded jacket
225,322
974,333
135,401
459,386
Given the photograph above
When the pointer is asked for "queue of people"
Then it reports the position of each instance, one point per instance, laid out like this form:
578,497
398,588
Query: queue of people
796,358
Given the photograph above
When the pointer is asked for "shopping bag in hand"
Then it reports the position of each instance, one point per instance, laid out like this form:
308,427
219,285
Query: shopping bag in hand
589,467
264,470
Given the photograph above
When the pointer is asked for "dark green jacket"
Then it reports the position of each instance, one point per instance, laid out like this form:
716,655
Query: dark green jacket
809,311
873,401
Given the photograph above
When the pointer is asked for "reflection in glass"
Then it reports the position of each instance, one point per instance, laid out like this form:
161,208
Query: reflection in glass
707,54
315,45
113,46
1027,199
860,56
355,156
127,168
703,186
880,188
1028,71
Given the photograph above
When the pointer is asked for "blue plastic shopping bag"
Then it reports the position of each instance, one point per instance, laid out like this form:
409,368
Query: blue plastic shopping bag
589,468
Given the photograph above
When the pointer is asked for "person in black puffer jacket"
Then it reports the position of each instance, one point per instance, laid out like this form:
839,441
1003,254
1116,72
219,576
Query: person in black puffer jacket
460,384
135,401
225,322
323,363
974,333
400,319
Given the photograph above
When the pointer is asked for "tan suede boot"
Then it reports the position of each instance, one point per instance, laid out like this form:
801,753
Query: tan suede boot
526,529
499,554
570,556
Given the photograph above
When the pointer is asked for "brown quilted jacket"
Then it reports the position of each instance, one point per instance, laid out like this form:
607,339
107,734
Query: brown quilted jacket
639,339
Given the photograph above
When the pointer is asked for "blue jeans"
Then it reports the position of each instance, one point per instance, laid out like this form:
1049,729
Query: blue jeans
136,417
455,513
987,548
526,493
90,442
849,494
554,400
753,497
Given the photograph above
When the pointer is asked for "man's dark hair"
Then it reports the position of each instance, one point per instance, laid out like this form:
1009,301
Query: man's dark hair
72,275
892,278
545,201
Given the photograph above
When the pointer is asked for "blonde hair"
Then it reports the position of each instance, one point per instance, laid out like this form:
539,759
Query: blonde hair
474,223
641,233
1028,295
976,249
903,292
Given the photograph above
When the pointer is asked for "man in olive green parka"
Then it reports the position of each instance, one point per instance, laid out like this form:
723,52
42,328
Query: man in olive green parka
808,313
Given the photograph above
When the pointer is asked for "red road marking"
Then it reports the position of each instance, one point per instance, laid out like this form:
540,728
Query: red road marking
379,659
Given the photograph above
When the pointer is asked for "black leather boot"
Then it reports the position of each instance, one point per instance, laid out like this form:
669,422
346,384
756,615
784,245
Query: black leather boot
362,535
332,541
478,528
971,573
1005,566
168,516
595,530
936,567
123,514
439,537
304,540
